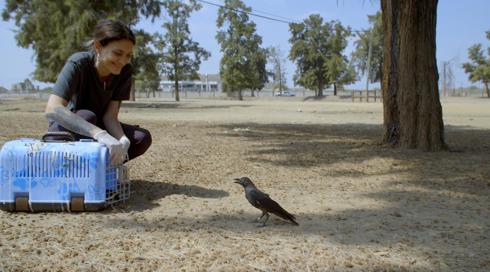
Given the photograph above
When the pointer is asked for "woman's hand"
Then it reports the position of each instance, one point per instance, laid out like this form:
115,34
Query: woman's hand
125,143
116,149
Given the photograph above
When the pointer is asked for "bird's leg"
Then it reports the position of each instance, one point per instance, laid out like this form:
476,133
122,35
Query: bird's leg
260,218
262,224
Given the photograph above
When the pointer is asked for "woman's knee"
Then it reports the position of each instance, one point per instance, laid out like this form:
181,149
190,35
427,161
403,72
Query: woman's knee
142,141
146,139
87,115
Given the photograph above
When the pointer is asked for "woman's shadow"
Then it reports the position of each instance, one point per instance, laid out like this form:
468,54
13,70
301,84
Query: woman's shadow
145,194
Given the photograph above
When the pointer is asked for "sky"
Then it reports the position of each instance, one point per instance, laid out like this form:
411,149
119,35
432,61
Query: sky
460,24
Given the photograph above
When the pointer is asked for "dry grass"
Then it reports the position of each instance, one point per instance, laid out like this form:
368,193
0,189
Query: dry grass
361,206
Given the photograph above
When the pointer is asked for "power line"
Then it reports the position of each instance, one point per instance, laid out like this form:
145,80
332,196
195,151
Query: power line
249,13
271,14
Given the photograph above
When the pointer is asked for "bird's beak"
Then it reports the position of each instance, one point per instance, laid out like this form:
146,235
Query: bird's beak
237,180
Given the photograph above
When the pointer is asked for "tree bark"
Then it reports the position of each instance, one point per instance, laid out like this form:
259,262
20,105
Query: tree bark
335,89
411,106
132,94
177,95
486,88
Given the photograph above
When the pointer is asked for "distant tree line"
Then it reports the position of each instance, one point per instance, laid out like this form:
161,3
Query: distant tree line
479,67
402,54
317,46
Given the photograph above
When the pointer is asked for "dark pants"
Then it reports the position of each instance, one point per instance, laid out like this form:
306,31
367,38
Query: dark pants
140,138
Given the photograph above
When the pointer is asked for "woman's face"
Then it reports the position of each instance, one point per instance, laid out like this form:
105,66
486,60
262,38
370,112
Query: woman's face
113,56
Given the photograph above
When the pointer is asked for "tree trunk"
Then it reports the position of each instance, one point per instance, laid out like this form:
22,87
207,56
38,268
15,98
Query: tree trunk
132,96
335,89
486,88
240,97
320,90
411,105
177,96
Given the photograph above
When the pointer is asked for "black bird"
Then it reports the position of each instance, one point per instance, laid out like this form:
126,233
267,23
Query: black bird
263,202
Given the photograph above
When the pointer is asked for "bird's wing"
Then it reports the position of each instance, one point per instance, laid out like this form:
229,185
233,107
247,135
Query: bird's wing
265,203
254,196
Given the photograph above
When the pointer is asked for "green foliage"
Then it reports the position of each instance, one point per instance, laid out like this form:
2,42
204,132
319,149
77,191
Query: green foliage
317,51
259,71
58,28
479,67
243,63
360,55
146,61
181,56
338,70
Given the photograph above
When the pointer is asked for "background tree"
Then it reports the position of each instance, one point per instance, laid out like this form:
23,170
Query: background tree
242,65
278,70
146,60
345,73
309,51
260,75
316,48
360,54
447,77
338,71
411,105
479,68
25,86
70,25
181,56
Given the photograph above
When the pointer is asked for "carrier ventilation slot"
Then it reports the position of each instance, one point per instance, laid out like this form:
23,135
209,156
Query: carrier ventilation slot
51,165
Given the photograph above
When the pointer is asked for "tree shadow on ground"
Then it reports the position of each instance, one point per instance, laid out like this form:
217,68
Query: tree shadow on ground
145,194
433,205
437,201
431,225
308,146
325,96
175,105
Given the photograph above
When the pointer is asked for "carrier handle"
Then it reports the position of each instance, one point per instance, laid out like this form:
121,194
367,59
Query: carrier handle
58,136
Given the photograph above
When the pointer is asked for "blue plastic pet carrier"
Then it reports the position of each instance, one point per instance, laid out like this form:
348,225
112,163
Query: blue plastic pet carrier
59,176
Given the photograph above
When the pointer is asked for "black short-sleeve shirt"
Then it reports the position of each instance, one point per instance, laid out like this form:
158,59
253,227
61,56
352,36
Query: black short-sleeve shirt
79,83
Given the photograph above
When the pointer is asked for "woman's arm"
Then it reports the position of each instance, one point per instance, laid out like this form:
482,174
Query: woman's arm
113,126
56,111
111,121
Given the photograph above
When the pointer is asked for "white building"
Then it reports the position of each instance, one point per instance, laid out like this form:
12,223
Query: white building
206,83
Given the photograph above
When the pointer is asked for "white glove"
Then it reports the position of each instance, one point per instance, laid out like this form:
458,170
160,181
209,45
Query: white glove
125,143
116,150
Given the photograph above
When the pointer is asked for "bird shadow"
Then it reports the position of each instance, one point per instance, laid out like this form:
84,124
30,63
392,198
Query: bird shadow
447,228
145,194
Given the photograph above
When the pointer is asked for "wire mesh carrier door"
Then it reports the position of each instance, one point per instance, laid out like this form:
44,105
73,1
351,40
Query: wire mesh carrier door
118,186
59,174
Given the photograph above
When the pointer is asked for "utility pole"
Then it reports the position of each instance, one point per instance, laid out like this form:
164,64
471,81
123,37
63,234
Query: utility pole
444,86
369,63
280,79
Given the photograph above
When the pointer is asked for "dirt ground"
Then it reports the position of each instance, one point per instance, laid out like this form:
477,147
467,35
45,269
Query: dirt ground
361,206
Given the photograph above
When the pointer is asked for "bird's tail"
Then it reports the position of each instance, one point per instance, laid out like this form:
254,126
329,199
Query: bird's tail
293,220
286,215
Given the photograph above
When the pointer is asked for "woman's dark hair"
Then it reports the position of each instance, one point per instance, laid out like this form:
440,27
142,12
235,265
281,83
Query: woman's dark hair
107,31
